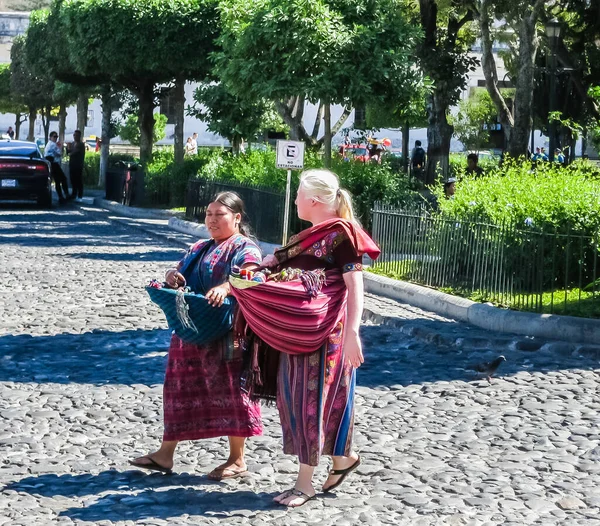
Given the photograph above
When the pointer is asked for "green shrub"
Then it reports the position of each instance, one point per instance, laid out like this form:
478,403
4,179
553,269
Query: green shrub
166,183
548,197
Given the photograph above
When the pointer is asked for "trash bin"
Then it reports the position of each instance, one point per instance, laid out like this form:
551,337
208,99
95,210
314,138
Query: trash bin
125,184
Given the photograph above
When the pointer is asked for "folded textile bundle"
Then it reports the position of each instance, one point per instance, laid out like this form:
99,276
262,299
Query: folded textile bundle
190,315
293,316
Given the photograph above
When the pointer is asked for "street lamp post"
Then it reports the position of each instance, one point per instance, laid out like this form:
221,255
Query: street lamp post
553,34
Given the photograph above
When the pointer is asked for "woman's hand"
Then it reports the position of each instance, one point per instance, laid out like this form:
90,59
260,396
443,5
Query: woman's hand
174,279
353,350
269,261
216,296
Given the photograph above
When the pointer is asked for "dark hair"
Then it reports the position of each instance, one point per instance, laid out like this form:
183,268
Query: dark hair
234,202
473,157
417,143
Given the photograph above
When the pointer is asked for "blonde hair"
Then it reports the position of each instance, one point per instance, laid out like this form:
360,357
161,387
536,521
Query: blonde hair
324,186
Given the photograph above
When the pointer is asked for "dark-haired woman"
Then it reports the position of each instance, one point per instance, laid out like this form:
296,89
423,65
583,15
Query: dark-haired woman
201,395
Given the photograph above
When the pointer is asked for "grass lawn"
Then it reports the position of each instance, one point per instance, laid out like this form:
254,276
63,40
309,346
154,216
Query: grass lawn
574,302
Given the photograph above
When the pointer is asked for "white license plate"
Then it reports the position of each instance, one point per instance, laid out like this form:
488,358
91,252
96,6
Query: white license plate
8,183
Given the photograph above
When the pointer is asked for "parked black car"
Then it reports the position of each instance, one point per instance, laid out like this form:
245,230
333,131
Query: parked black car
24,173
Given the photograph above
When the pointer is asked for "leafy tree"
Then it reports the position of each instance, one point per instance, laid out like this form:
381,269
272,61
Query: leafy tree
472,120
445,59
322,51
29,89
130,130
9,103
139,44
521,17
229,115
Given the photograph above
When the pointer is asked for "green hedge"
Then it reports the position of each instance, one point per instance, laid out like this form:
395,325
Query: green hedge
545,196
166,184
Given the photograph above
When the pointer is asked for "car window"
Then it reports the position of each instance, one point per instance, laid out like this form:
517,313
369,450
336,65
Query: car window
20,150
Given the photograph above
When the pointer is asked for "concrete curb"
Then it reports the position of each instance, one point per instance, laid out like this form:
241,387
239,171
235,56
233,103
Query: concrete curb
199,230
548,326
133,211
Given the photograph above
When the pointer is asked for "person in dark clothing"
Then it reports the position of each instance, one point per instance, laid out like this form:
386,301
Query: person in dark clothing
473,167
76,151
10,132
53,153
418,159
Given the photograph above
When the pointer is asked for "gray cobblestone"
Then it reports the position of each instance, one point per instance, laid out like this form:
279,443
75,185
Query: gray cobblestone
82,354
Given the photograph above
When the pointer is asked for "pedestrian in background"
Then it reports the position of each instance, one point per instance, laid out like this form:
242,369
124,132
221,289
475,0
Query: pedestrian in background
194,144
473,167
418,158
10,132
189,147
450,188
202,396
53,153
76,152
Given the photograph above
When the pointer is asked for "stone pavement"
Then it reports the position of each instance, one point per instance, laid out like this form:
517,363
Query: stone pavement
82,354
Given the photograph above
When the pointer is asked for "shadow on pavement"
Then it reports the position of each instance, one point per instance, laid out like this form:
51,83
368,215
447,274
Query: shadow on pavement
173,503
99,357
69,485
172,255
392,358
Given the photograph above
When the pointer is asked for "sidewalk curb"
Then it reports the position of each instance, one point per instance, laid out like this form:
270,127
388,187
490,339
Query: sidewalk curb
179,225
548,326
200,230
133,211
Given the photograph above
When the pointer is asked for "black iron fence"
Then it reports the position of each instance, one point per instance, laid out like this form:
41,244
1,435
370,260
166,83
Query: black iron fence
512,265
264,206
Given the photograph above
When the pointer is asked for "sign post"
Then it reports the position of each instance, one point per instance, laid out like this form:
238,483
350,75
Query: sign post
290,156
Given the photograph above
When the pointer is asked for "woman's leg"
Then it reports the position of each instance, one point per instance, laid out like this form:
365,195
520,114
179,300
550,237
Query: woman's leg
303,484
340,463
235,465
163,456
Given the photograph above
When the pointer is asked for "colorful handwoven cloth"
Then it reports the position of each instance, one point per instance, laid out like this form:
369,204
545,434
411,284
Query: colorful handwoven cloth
294,316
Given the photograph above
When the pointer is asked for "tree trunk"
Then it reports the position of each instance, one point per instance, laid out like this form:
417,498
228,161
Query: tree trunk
18,123
528,45
31,131
46,122
488,65
236,143
62,122
292,113
146,121
179,102
317,124
327,138
517,123
107,108
82,111
405,145
439,134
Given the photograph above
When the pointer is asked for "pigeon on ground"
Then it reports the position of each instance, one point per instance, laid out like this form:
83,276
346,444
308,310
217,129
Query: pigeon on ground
488,368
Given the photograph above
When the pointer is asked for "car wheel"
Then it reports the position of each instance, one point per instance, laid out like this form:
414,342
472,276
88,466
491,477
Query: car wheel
45,200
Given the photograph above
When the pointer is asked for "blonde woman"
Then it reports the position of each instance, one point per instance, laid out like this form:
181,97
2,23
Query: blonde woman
315,390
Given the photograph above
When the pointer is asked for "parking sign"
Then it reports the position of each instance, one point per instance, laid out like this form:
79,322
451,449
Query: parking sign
290,155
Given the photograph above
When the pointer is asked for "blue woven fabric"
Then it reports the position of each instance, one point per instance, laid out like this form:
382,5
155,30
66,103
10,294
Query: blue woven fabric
211,323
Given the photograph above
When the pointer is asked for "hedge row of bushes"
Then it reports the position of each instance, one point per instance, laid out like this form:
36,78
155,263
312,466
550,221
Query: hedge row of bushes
166,183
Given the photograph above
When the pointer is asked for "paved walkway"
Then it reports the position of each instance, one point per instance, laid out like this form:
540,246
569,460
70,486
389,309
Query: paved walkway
82,354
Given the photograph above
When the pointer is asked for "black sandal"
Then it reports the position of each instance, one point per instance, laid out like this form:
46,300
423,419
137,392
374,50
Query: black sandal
152,466
297,493
344,473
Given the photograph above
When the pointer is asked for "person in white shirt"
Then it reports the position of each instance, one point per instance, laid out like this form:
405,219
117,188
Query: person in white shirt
53,153
194,148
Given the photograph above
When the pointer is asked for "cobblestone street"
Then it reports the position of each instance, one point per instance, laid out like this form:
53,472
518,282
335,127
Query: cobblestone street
82,356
